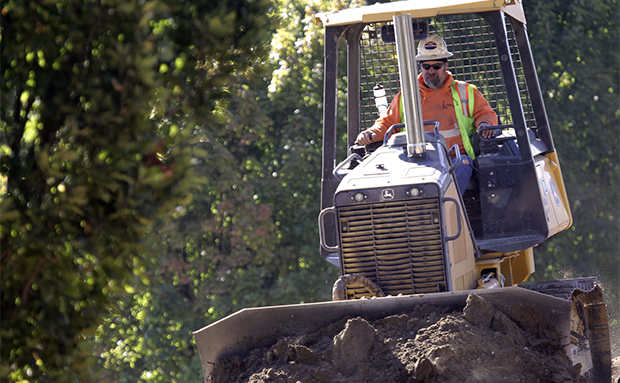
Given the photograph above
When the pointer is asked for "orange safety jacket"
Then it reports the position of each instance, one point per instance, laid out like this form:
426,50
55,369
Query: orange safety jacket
438,105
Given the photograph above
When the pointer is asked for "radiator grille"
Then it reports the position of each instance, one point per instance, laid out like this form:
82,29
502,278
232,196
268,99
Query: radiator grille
397,245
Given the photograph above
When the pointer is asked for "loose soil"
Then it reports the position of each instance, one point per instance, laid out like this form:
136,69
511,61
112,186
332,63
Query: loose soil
429,344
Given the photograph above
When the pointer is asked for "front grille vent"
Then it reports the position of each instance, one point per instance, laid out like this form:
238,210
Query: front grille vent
397,245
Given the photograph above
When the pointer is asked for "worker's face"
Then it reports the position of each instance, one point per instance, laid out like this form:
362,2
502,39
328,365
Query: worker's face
434,78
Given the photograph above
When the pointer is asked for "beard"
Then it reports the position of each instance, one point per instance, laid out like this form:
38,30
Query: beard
433,81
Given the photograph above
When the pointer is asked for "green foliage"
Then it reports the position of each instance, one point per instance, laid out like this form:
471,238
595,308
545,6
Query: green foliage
249,236
161,170
99,103
577,50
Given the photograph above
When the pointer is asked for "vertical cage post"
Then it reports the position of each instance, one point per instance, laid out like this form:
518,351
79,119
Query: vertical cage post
410,88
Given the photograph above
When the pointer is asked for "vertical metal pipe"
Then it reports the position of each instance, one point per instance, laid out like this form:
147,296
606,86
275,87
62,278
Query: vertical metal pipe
409,86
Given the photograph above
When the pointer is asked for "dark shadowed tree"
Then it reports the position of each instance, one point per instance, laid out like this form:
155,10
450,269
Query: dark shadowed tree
99,103
249,236
161,169
576,46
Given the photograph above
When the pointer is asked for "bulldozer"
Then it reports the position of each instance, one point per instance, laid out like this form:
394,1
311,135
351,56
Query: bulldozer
393,219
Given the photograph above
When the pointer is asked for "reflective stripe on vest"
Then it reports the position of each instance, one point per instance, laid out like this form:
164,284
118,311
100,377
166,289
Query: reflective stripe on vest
462,94
463,98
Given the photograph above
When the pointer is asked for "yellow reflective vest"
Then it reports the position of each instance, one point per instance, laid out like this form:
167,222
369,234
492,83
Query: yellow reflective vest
463,98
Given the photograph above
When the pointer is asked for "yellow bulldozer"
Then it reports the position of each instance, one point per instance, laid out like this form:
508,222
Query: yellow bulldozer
393,219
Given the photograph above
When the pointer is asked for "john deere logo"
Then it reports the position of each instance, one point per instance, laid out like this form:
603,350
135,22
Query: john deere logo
387,194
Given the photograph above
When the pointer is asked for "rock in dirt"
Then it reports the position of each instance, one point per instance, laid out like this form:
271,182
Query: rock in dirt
479,312
427,345
352,345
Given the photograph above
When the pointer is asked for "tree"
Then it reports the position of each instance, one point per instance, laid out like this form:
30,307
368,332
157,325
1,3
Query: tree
162,170
209,260
263,176
99,101
576,48
249,237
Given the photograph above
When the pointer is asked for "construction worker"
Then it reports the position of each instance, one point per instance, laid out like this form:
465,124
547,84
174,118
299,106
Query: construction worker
459,107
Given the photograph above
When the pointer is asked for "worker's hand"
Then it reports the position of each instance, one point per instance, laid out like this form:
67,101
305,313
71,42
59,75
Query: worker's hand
486,133
365,138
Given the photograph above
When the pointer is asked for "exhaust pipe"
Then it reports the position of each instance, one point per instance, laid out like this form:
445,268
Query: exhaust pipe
410,88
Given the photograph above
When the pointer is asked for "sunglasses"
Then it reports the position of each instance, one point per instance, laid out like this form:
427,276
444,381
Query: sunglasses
426,66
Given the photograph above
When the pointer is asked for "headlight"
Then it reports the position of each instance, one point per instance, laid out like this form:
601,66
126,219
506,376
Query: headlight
414,192
359,197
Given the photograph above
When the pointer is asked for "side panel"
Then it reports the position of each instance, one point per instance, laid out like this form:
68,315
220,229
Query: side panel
556,207
517,267
522,266
460,250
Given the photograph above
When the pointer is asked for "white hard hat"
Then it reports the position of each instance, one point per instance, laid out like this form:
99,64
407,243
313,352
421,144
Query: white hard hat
432,48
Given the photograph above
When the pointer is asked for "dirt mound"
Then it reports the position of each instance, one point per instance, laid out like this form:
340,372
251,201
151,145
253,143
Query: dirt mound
429,344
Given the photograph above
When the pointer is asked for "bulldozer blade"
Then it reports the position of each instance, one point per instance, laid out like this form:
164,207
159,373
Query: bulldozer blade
245,330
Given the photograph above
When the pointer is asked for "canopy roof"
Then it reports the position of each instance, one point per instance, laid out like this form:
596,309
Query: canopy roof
381,12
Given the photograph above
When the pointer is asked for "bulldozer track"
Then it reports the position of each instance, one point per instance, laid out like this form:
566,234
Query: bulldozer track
586,295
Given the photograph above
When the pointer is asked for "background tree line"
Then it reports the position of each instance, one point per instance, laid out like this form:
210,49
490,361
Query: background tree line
161,169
